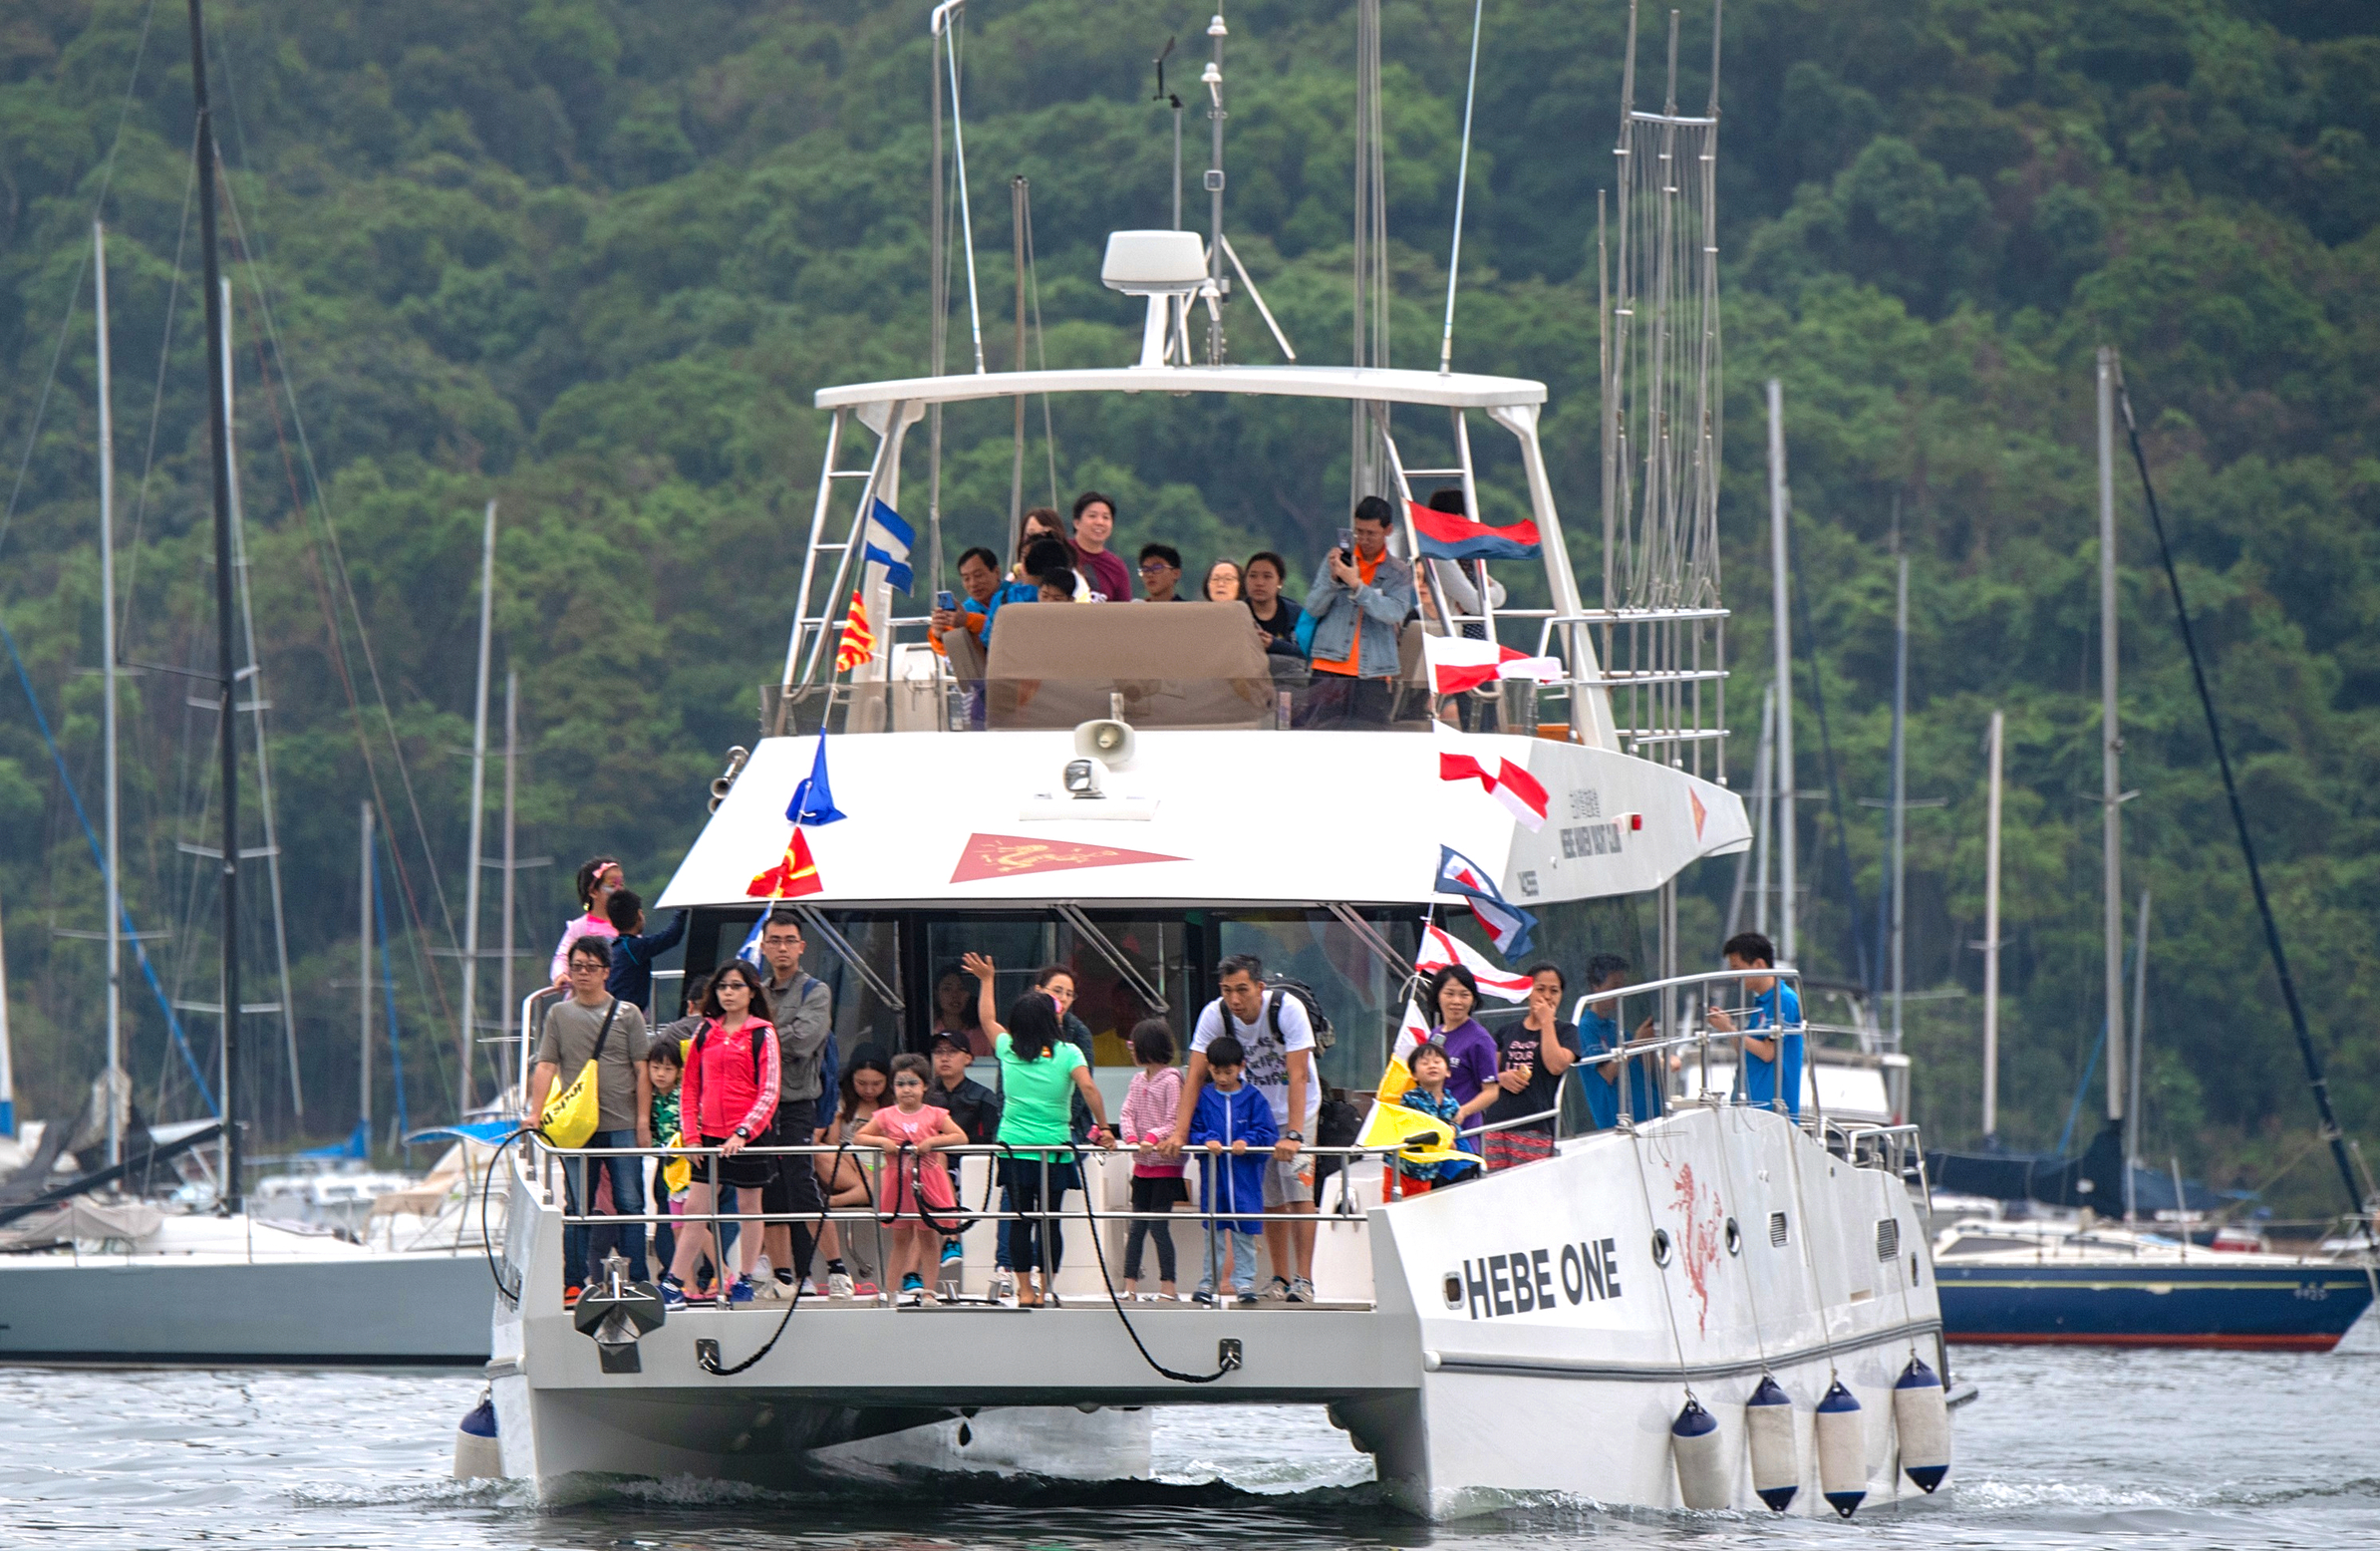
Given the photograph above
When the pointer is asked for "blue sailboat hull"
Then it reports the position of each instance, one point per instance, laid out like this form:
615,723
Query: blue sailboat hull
2287,1307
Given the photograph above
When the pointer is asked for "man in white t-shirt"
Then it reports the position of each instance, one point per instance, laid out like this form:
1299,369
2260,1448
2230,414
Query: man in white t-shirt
1272,1026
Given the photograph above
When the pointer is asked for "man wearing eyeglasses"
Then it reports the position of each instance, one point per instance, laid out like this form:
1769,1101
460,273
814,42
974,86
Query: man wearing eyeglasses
1161,572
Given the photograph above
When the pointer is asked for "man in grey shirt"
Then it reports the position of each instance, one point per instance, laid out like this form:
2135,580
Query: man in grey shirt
624,1094
803,1012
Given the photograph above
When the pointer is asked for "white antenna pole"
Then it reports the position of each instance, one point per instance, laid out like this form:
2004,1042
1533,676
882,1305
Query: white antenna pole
943,15
114,878
256,707
1788,950
1900,793
2132,1110
2111,796
470,887
1462,183
504,1007
8,1082
1744,874
1991,935
363,987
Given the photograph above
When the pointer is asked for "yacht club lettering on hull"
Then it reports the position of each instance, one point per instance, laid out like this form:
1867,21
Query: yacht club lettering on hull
1528,1281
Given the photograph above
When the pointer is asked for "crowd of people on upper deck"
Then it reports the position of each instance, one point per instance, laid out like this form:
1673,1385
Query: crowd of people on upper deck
1341,650
753,1063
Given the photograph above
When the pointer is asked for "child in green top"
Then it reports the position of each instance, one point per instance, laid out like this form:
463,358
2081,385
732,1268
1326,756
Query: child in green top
665,1062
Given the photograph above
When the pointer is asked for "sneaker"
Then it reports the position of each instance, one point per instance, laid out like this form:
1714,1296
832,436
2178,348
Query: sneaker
1280,1289
952,1250
1247,1298
769,1289
1203,1296
570,1297
1301,1290
839,1286
912,1283
741,1291
1004,1284
672,1293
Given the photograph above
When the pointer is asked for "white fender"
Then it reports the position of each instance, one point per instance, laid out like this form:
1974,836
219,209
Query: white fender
1921,1416
1776,1456
476,1455
1701,1458
1842,1451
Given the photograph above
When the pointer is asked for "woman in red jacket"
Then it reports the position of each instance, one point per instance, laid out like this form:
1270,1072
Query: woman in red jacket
728,1100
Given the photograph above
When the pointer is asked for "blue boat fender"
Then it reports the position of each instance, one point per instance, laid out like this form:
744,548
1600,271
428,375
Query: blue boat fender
1776,1454
1921,1416
476,1452
1696,1444
1842,1451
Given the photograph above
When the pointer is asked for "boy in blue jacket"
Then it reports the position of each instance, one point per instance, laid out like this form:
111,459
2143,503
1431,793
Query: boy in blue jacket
1232,1118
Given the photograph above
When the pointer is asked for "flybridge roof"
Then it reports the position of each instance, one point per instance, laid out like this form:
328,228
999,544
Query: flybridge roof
940,819
1455,390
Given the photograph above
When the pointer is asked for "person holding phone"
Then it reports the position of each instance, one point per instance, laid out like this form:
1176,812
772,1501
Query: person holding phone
978,574
1359,602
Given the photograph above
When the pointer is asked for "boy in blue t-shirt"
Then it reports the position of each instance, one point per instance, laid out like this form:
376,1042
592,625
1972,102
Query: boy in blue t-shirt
1776,1006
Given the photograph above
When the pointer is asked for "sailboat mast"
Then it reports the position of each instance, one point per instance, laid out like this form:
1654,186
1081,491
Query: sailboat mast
1788,950
363,979
113,880
1900,791
2140,1009
504,1007
2110,746
1991,937
472,860
219,436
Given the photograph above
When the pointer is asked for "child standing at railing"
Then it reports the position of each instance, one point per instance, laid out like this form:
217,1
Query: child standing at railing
1234,1122
1150,1105
666,1064
1428,1095
912,1179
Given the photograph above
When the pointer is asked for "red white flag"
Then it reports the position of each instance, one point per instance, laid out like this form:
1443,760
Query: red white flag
1458,663
1439,949
1520,792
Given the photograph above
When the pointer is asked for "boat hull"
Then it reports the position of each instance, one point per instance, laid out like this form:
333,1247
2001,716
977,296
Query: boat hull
359,1310
2299,1307
1712,1248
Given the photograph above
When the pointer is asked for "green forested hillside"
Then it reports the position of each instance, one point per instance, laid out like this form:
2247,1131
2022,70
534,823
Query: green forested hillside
591,258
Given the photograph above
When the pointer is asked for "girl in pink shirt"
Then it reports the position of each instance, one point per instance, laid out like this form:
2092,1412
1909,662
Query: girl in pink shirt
922,1127
1148,1117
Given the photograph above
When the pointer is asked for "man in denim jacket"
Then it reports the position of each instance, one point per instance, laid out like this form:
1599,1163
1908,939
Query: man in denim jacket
1359,601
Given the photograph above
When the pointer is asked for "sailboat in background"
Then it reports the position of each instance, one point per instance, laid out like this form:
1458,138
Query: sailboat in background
2026,1256
125,1281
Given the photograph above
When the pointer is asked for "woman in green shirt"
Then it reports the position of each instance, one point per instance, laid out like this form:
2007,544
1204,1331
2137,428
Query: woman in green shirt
1040,1072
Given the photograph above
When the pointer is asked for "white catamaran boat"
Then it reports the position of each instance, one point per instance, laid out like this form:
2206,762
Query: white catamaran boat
1719,1306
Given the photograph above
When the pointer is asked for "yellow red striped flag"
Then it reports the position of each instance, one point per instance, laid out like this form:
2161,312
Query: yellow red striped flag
858,642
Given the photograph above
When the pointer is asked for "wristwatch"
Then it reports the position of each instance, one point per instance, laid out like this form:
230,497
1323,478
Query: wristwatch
1293,1135
744,1132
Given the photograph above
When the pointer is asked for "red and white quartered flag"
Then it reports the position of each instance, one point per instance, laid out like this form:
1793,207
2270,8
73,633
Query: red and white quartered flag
1458,663
1523,794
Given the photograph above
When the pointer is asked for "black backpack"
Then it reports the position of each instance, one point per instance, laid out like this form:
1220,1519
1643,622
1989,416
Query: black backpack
1286,986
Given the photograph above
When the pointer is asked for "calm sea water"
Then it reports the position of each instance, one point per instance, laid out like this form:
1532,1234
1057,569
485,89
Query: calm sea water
2064,1448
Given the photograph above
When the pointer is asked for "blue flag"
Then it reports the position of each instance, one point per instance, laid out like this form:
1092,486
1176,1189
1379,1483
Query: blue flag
1506,922
813,800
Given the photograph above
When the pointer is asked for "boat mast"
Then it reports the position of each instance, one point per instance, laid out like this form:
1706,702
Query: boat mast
1017,462
364,981
1991,938
1788,950
218,432
113,880
1899,786
8,1082
1212,79
512,865
472,862
255,708
2132,1110
2111,748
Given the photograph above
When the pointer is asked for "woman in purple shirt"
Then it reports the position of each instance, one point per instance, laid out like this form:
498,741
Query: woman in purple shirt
1471,1054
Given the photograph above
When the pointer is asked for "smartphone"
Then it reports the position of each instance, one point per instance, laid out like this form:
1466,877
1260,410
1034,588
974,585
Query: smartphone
944,601
1347,544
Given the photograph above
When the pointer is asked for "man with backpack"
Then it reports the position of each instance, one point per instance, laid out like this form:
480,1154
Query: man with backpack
1275,1029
